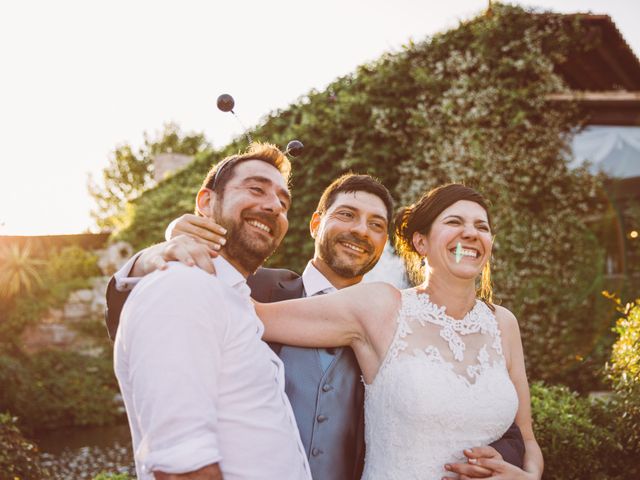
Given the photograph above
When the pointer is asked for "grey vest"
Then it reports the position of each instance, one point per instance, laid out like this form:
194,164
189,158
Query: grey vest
329,405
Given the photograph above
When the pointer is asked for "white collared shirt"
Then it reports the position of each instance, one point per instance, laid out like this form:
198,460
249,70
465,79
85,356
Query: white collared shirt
315,282
199,384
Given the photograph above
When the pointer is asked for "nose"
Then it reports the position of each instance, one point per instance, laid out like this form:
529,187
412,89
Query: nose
272,203
469,231
359,227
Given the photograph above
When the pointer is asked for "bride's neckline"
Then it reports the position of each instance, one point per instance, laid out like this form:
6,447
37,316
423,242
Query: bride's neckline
442,310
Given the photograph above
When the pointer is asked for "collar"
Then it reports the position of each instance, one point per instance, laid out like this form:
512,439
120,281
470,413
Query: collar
228,274
315,282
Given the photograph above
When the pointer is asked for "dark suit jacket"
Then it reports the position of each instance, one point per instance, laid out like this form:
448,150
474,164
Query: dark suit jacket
328,404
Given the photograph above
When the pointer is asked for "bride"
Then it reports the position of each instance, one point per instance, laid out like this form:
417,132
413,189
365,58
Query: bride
443,369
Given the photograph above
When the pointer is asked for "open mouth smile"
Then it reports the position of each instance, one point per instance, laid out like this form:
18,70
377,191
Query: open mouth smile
466,252
260,225
353,247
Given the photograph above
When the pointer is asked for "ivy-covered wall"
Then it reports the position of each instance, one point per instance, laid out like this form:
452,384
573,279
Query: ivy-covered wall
467,105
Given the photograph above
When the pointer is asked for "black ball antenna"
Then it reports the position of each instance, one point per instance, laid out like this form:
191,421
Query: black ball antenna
294,148
226,103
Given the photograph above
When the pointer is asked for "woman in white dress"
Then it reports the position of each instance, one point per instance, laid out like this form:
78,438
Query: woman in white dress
443,366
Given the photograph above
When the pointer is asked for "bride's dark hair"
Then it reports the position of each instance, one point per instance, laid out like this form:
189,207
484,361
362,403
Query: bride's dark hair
419,216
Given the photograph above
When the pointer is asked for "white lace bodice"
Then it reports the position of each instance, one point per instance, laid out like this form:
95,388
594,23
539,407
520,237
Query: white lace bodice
442,387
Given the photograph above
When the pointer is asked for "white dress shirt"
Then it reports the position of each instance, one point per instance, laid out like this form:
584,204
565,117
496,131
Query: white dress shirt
315,282
124,282
199,384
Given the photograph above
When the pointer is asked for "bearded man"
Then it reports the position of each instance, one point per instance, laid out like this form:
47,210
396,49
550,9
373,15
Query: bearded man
204,394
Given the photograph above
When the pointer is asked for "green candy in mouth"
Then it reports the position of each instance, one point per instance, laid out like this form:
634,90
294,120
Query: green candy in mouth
458,252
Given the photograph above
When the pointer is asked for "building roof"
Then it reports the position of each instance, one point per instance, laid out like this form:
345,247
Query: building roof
611,65
605,108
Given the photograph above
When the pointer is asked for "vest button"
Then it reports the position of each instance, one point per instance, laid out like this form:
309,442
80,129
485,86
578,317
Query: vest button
315,452
321,418
327,388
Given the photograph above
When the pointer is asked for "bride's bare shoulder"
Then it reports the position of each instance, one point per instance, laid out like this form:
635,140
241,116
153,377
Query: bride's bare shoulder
378,297
507,322
504,314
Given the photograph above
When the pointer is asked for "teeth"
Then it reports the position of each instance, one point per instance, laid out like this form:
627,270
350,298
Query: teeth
259,225
353,247
465,252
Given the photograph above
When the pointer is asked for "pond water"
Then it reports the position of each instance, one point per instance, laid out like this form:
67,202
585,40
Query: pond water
82,453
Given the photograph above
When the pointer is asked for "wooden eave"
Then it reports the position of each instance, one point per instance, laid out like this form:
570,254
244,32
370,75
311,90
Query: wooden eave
610,65
605,108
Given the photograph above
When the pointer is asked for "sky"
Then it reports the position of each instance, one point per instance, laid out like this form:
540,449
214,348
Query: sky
79,78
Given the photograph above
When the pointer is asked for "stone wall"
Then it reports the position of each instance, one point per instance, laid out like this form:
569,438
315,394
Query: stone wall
58,329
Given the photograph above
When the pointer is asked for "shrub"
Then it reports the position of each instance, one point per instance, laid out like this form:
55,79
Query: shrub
63,272
18,456
53,389
624,369
20,271
112,476
620,453
70,263
56,389
566,434
582,438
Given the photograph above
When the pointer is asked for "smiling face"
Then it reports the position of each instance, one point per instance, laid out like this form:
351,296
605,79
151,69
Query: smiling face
253,208
349,237
465,222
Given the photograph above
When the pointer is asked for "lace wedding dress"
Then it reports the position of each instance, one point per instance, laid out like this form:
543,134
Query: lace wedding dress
442,387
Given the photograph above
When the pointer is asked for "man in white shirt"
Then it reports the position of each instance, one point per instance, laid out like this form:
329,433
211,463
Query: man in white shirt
204,395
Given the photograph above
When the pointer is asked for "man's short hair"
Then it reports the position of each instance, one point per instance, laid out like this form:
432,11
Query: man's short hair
222,172
352,182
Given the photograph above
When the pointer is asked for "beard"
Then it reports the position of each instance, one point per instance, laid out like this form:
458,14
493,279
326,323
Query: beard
249,249
342,264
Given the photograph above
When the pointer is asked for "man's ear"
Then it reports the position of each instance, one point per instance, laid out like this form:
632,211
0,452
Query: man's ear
205,201
314,224
420,243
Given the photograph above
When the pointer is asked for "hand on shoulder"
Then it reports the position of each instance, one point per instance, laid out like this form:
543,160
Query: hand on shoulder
182,248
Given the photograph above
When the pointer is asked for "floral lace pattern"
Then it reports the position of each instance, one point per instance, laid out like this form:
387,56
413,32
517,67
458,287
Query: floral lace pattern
442,387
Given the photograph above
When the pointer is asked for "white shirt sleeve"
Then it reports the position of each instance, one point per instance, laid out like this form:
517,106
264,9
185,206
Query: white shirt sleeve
172,333
170,227
125,283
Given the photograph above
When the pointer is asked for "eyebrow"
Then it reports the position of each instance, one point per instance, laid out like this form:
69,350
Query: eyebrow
462,219
349,207
266,181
